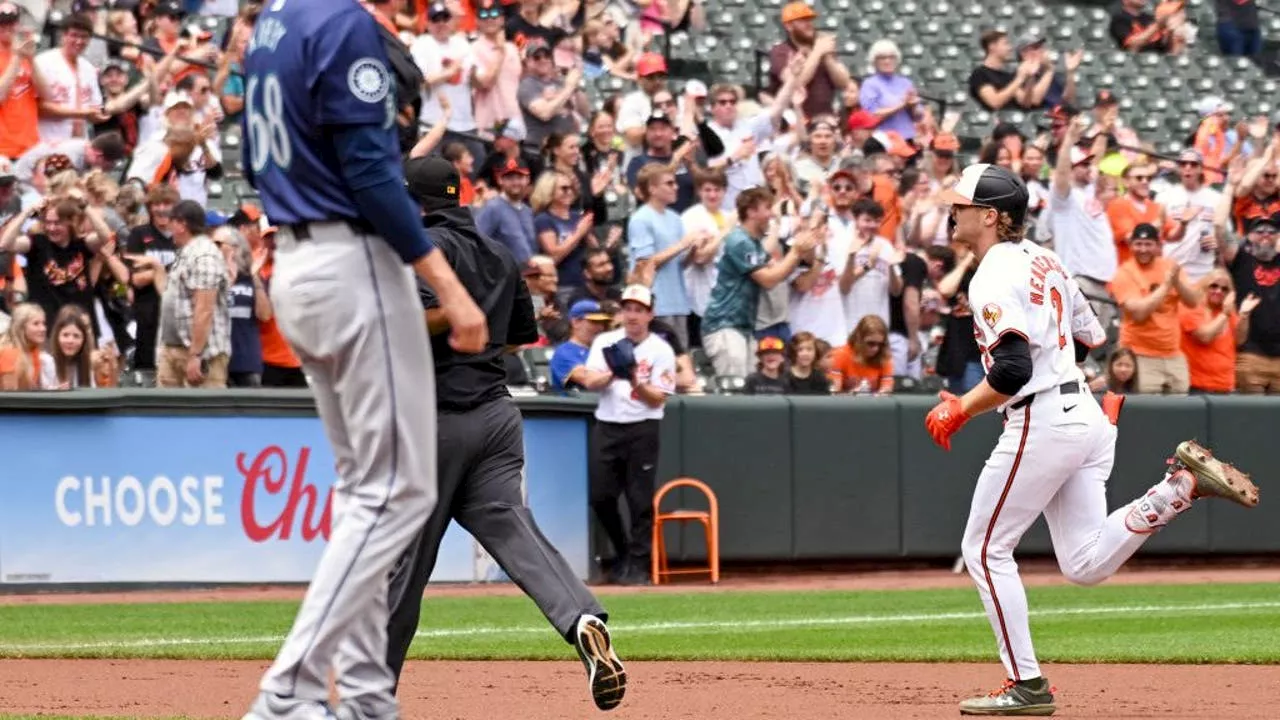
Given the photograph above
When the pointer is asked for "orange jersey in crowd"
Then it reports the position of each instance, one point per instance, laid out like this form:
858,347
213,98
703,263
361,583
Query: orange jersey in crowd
1249,207
1158,335
1211,366
847,371
9,365
275,349
19,112
1125,215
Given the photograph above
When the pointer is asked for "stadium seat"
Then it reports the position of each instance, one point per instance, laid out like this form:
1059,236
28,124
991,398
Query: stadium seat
729,385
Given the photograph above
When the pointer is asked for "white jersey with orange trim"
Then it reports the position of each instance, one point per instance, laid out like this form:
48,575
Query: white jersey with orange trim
1023,288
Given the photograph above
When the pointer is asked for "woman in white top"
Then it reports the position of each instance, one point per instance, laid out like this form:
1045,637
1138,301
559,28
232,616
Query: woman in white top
71,349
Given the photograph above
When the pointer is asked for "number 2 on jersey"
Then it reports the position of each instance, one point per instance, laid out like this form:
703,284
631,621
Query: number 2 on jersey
1055,299
268,137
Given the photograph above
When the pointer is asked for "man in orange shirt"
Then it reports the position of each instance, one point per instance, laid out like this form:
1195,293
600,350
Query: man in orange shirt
19,111
1136,206
1147,288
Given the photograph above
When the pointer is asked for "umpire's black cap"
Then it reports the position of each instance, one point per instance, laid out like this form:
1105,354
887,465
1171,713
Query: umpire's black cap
433,181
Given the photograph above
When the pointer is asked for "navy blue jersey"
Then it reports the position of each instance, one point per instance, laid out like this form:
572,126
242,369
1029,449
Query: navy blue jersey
311,66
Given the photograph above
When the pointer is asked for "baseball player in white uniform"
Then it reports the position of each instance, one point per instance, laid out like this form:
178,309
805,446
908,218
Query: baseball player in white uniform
1034,326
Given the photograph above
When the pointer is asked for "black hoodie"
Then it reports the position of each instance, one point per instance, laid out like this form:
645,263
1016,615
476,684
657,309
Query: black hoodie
490,274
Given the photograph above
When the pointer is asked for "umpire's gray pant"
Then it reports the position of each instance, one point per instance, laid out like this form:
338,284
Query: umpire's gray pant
479,486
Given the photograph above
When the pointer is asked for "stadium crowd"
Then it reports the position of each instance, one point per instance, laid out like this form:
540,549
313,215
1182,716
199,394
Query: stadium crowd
792,242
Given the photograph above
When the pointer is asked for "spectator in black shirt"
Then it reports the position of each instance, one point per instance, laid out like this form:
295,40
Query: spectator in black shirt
1136,30
804,377
1255,271
904,318
597,279
993,86
769,377
58,259
480,476
155,240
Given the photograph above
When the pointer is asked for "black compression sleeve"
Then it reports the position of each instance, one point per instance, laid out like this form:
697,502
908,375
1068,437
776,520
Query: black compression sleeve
1011,364
1082,351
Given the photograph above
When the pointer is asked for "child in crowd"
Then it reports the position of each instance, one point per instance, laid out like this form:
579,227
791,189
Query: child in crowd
768,379
804,377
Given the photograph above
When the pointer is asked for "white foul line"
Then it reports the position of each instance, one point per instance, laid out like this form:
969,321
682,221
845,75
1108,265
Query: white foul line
656,628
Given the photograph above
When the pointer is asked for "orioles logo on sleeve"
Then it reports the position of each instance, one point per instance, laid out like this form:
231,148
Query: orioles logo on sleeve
991,313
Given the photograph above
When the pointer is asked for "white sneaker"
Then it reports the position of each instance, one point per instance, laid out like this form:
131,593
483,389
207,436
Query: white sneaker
270,706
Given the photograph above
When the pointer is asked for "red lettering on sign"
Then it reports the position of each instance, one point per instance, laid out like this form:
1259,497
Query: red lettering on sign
271,459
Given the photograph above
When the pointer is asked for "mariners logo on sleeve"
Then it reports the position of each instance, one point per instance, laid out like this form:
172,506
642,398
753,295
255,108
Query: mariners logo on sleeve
369,80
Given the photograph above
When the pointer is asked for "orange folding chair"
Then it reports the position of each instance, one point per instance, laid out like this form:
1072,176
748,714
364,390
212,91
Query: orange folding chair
710,519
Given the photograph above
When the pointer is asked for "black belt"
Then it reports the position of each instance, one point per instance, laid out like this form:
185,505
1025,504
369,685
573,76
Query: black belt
302,231
1066,388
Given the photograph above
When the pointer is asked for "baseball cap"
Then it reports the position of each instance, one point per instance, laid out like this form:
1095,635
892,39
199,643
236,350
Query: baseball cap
245,215
214,219
894,144
175,98
848,167
1212,104
1261,223
1191,155
1144,231
862,120
650,64
432,181
695,88
797,11
169,8
514,165
770,344
658,116
638,294
9,13
56,163
588,310
115,64
534,46
1029,40
438,11
1105,98
990,186
1062,112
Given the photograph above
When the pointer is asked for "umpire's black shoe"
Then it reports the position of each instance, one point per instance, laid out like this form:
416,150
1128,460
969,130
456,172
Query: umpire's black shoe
605,676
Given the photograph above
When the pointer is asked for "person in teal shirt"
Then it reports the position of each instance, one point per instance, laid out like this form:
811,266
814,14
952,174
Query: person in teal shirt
743,269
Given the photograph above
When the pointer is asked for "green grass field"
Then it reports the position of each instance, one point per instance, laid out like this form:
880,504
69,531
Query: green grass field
1161,624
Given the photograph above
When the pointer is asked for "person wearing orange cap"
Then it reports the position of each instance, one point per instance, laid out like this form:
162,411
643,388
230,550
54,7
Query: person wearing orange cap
637,106
825,79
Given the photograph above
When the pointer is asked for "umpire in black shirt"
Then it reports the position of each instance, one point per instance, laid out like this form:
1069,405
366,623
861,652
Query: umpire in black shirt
481,432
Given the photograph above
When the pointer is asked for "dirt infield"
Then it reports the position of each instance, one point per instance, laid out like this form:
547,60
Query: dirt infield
666,690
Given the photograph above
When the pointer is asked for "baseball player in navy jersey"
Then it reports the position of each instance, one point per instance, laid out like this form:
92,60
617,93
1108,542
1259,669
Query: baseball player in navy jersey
320,146
1034,327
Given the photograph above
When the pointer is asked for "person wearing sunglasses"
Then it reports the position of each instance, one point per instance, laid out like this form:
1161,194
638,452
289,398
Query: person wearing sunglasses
1192,203
1135,206
1210,332
1255,272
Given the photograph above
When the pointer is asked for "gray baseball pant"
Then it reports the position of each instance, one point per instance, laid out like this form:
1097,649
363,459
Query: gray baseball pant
480,487
349,307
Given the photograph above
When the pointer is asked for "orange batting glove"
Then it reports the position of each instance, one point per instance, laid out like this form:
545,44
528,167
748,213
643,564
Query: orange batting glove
945,419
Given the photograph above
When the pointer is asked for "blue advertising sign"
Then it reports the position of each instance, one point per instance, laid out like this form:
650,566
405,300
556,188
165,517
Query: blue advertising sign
108,499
